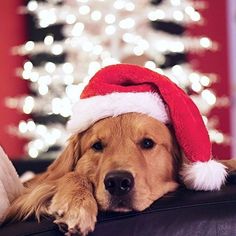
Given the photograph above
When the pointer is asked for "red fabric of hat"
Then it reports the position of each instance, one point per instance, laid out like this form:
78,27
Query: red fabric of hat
185,116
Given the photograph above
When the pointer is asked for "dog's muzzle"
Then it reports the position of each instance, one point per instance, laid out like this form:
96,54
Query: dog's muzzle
119,183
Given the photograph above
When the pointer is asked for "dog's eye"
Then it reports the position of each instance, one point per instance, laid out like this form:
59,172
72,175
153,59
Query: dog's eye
98,146
147,143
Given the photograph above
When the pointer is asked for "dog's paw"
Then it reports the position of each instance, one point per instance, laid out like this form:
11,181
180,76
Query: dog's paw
77,222
75,217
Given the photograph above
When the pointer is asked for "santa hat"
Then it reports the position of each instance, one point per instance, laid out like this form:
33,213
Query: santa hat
123,88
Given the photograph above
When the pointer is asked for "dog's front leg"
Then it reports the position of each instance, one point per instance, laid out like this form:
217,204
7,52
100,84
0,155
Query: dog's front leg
73,205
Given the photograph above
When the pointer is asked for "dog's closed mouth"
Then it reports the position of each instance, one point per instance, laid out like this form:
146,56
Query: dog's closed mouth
120,204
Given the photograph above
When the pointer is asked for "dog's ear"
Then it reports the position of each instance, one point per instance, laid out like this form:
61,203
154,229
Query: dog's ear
67,160
176,153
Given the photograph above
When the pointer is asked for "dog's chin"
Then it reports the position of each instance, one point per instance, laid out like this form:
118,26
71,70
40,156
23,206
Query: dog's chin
120,205
120,209
123,204
117,204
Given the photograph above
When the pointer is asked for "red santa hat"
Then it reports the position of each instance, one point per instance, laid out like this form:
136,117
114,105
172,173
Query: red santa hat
124,88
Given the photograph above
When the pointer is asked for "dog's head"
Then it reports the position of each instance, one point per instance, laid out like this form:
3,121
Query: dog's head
131,161
131,158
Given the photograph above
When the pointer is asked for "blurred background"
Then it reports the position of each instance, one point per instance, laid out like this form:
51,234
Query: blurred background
50,48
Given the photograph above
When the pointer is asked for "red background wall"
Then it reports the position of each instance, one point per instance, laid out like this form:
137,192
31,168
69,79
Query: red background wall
12,33
215,27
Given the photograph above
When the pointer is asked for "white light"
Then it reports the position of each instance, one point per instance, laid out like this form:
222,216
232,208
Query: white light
68,68
129,6
70,19
152,16
32,5
96,15
33,152
57,49
84,10
47,17
110,29
44,23
205,81
94,66
205,42
175,2
195,16
105,55
150,64
28,66
39,144
143,44
77,29
119,4
178,15
41,130
189,10
127,23
56,105
43,89
219,138
29,46
177,47
56,133
50,139
177,69
34,76
31,125
45,80
73,91
109,61
28,105
208,96
97,50
128,38
65,107
110,18
156,15
87,46
161,46
48,40
50,67
66,112
196,86
26,74
22,127
194,77
43,14
68,79
138,51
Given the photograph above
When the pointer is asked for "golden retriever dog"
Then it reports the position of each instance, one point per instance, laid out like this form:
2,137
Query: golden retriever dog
121,163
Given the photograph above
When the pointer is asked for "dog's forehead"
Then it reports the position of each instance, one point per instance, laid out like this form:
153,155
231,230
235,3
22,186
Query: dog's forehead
130,123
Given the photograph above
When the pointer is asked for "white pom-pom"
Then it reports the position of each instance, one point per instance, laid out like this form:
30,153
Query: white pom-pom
207,176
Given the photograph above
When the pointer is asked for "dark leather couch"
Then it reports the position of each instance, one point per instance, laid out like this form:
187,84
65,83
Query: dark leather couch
182,213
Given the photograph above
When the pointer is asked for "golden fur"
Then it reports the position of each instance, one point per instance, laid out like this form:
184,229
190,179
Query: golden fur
72,189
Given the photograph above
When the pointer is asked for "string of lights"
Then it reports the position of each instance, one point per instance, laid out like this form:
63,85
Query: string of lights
100,33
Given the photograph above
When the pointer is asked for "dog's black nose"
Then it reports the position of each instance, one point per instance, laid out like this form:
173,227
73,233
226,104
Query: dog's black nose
119,182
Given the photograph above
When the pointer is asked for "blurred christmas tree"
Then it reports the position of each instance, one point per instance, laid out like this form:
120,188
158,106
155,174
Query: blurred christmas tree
71,39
